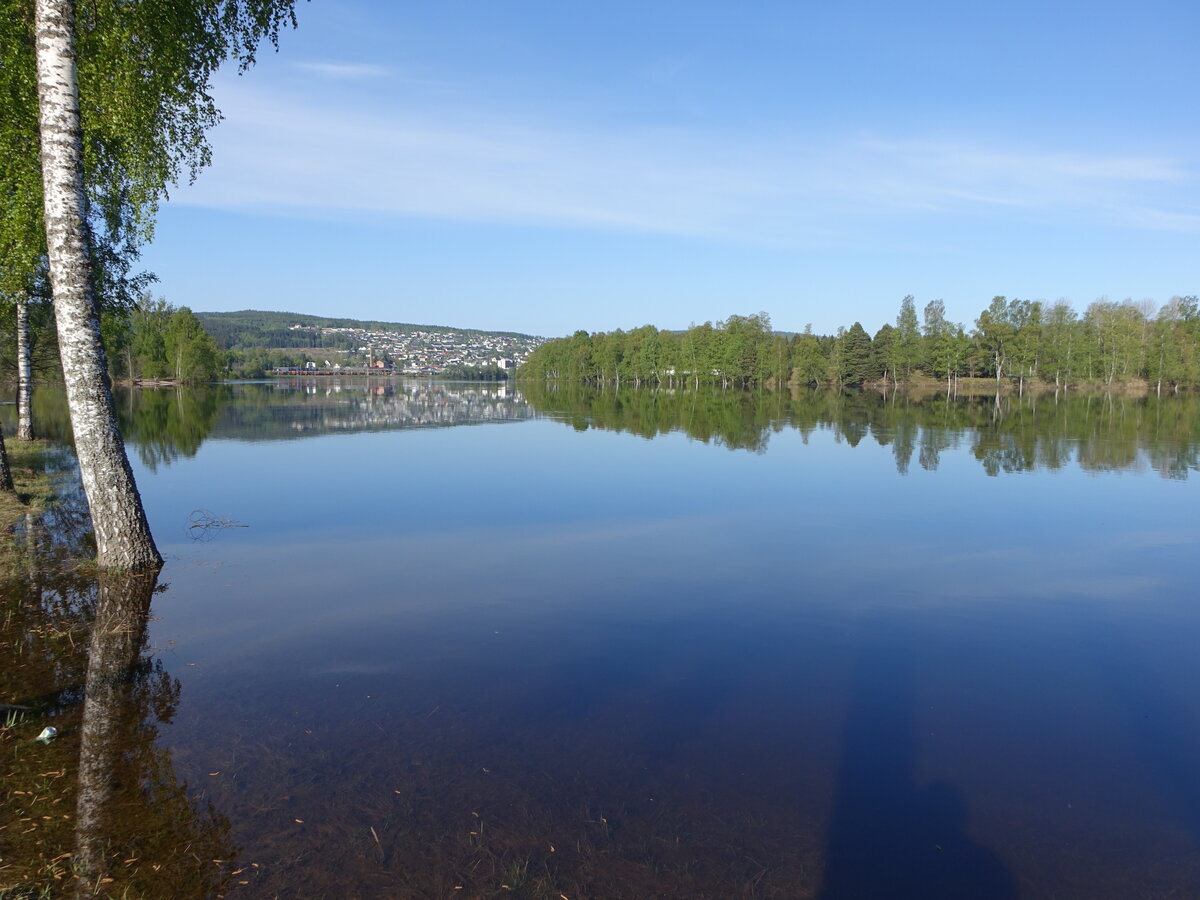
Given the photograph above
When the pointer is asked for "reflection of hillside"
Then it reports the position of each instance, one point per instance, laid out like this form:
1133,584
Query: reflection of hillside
1007,434
163,424
294,409
1095,432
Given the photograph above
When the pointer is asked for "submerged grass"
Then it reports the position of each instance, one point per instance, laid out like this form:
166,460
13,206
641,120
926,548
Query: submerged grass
27,460
37,639
434,808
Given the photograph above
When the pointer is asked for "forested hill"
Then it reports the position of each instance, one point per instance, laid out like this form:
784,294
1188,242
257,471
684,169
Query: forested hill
261,328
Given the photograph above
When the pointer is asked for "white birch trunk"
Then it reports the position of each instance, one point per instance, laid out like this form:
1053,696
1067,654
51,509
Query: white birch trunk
123,539
24,373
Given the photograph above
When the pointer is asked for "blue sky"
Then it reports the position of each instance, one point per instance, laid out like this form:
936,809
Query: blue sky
543,167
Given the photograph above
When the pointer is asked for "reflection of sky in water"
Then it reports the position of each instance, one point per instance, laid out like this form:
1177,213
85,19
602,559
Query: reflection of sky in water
743,615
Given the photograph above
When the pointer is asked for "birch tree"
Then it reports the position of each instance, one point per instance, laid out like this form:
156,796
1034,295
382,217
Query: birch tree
22,235
907,347
939,341
24,373
151,64
123,539
994,332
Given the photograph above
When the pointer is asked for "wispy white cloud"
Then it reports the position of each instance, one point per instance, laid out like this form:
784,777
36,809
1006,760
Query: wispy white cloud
343,70
277,153
1049,179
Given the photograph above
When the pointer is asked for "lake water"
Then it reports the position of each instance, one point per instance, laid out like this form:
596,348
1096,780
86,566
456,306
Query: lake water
428,640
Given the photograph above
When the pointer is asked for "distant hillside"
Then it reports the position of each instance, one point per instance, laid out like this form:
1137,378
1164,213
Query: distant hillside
249,328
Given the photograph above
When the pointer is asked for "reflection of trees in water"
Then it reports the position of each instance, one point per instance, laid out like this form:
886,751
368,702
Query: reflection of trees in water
101,803
163,424
1097,432
167,423
739,420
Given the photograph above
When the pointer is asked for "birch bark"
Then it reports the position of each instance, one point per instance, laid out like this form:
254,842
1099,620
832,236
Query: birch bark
123,539
24,373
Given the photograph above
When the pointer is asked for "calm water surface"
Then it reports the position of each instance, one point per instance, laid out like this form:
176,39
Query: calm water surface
446,641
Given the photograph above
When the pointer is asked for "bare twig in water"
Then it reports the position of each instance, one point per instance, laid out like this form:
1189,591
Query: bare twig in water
203,525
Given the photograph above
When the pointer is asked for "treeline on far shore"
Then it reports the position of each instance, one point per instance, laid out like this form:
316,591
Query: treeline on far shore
144,341
1013,341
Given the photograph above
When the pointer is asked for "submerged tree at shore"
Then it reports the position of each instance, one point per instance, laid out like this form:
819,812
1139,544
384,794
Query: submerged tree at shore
146,105
123,539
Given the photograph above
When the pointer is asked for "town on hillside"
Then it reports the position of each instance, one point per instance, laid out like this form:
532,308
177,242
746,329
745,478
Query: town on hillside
418,352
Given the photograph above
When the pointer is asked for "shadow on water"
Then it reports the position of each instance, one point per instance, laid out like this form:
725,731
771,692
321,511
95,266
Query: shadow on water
692,681
1150,701
890,837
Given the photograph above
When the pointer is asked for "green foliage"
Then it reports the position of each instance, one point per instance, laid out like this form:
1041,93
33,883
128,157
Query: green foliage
907,349
144,76
161,342
994,331
145,97
1173,356
883,349
808,358
43,347
1018,340
191,353
858,364
943,350
741,350
473,373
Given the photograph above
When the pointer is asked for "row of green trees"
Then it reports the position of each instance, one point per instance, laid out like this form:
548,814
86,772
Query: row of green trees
741,349
1020,340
